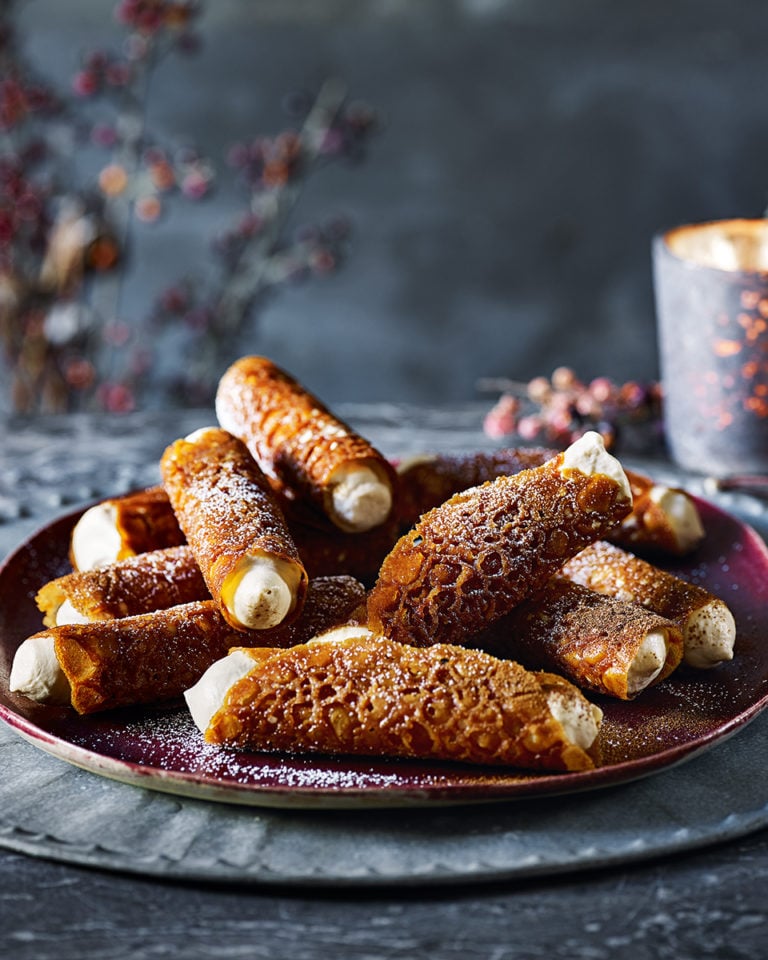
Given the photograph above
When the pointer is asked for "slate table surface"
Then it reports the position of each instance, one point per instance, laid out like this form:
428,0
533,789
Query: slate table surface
706,903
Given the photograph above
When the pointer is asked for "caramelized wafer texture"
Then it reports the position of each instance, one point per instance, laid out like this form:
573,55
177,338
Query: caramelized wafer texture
326,551
156,656
139,584
375,697
427,481
144,521
226,508
142,659
650,527
608,569
295,439
471,560
590,638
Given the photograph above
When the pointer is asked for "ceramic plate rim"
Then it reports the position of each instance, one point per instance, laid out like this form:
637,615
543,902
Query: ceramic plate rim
195,785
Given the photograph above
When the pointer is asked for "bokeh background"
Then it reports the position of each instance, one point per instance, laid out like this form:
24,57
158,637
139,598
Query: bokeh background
528,151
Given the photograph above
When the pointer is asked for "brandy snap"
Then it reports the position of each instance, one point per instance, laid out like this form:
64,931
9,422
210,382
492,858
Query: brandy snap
139,584
354,693
708,627
471,560
663,519
602,644
303,447
122,527
237,532
429,479
155,656
113,663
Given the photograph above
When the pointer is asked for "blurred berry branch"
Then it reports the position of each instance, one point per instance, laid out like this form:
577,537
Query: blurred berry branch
29,274
136,183
67,237
258,254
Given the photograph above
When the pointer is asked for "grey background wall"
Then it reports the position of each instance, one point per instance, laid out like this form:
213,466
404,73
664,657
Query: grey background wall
529,151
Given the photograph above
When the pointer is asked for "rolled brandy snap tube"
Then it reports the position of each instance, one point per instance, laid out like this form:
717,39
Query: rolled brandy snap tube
429,479
236,530
663,520
122,527
708,626
139,584
471,560
156,656
303,447
106,664
365,695
600,643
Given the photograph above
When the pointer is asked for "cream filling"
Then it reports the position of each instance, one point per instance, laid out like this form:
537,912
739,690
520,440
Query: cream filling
197,435
210,692
68,614
261,591
96,541
648,662
360,498
347,631
683,517
208,695
709,635
36,672
579,718
589,456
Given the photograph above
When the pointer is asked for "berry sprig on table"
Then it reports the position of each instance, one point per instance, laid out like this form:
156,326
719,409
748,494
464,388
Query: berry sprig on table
558,409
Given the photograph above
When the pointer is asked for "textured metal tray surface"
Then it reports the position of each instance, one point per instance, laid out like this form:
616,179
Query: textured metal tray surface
54,810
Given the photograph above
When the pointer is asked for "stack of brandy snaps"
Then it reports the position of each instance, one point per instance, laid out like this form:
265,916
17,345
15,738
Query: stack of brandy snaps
304,594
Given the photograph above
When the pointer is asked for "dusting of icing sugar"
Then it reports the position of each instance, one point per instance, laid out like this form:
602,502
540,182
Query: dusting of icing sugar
169,742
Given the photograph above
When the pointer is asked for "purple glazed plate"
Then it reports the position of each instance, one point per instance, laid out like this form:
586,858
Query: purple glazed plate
161,749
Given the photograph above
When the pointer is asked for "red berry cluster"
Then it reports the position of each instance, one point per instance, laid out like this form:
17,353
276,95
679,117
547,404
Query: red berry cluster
268,162
24,220
21,97
150,21
557,410
150,16
99,72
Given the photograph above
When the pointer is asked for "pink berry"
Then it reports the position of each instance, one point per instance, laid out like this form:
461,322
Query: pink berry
602,389
85,83
539,389
563,378
529,427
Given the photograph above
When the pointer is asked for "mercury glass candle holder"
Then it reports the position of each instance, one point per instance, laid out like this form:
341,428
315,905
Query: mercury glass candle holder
711,288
